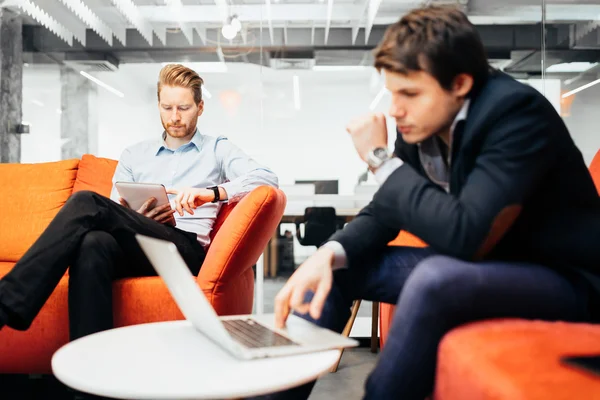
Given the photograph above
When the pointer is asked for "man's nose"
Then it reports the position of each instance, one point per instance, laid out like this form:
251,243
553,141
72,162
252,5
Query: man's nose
397,111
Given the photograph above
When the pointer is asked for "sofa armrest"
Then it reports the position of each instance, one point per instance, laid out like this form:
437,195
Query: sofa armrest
241,239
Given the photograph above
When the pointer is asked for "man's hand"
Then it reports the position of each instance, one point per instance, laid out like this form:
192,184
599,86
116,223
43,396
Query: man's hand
189,198
368,132
315,275
162,214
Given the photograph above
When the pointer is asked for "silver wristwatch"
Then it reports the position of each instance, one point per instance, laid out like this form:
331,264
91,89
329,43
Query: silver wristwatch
377,157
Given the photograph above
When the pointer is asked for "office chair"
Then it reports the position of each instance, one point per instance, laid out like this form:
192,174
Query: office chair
319,224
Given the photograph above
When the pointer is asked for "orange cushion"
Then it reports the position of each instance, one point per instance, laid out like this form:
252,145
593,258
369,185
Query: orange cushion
595,170
30,351
407,239
95,174
5,267
240,241
516,359
32,195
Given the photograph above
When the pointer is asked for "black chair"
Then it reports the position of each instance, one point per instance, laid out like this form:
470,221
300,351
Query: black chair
319,224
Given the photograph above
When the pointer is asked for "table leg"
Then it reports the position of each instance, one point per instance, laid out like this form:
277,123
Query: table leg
374,327
267,259
259,287
273,254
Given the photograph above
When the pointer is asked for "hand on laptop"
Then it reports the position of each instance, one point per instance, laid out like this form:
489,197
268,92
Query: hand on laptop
314,274
162,214
189,198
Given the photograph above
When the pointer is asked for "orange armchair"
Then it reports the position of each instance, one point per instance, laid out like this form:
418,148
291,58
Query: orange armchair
240,234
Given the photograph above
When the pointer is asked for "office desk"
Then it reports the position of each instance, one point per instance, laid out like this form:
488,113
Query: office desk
345,206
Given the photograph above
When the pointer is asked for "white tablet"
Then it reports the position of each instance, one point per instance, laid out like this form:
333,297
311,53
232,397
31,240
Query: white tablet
136,194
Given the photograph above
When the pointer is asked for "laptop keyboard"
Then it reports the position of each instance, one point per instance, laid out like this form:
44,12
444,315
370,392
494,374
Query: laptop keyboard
254,335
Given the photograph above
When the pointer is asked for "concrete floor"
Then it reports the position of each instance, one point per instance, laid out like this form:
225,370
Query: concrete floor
347,383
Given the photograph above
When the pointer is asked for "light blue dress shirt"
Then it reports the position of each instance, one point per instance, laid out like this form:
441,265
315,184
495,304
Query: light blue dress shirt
203,162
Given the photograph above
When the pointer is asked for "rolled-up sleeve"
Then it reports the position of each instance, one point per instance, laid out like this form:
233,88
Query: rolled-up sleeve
241,173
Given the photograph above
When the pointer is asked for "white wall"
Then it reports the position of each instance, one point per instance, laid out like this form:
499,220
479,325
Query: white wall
310,143
584,120
41,109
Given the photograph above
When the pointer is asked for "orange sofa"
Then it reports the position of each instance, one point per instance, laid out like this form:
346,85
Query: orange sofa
33,194
510,359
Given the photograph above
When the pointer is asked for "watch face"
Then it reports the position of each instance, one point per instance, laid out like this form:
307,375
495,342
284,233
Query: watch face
380,152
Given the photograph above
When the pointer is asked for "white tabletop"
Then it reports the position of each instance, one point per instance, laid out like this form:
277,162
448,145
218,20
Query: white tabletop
171,360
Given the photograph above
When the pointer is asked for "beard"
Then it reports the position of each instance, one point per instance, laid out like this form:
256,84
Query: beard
183,130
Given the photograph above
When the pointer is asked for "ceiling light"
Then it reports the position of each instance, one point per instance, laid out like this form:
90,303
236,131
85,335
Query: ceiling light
296,92
235,23
37,103
102,84
205,92
570,67
228,31
579,89
377,98
325,68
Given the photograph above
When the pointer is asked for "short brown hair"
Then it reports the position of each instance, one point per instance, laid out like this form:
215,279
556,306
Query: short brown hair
178,75
439,40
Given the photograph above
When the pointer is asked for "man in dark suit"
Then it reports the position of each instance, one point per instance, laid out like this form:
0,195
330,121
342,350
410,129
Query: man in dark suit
485,172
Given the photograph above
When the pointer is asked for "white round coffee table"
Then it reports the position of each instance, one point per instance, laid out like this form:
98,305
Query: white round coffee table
171,360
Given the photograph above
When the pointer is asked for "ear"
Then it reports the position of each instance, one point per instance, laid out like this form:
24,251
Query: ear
462,85
200,107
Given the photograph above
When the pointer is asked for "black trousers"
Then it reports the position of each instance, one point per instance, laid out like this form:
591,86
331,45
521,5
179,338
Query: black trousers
95,237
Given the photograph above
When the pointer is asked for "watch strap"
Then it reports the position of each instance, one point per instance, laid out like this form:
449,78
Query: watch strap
215,189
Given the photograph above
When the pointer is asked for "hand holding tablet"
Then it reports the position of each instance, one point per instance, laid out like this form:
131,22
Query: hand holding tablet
149,199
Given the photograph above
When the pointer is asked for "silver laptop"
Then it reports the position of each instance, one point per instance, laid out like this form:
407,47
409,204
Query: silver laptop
244,336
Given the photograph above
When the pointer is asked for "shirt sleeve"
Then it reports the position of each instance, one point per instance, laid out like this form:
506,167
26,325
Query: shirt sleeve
339,254
386,169
241,173
122,174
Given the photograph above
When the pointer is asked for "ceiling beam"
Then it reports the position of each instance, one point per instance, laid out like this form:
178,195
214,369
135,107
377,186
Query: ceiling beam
160,30
358,20
328,20
45,20
252,13
269,17
59,11
132,14
372,9
90,19
499,42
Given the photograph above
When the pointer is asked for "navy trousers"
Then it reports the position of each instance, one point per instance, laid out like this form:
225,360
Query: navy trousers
433,295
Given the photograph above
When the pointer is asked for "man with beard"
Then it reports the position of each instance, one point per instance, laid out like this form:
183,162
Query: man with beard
95,236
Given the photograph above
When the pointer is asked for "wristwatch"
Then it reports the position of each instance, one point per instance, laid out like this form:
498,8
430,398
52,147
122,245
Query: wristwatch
217,194
377,156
